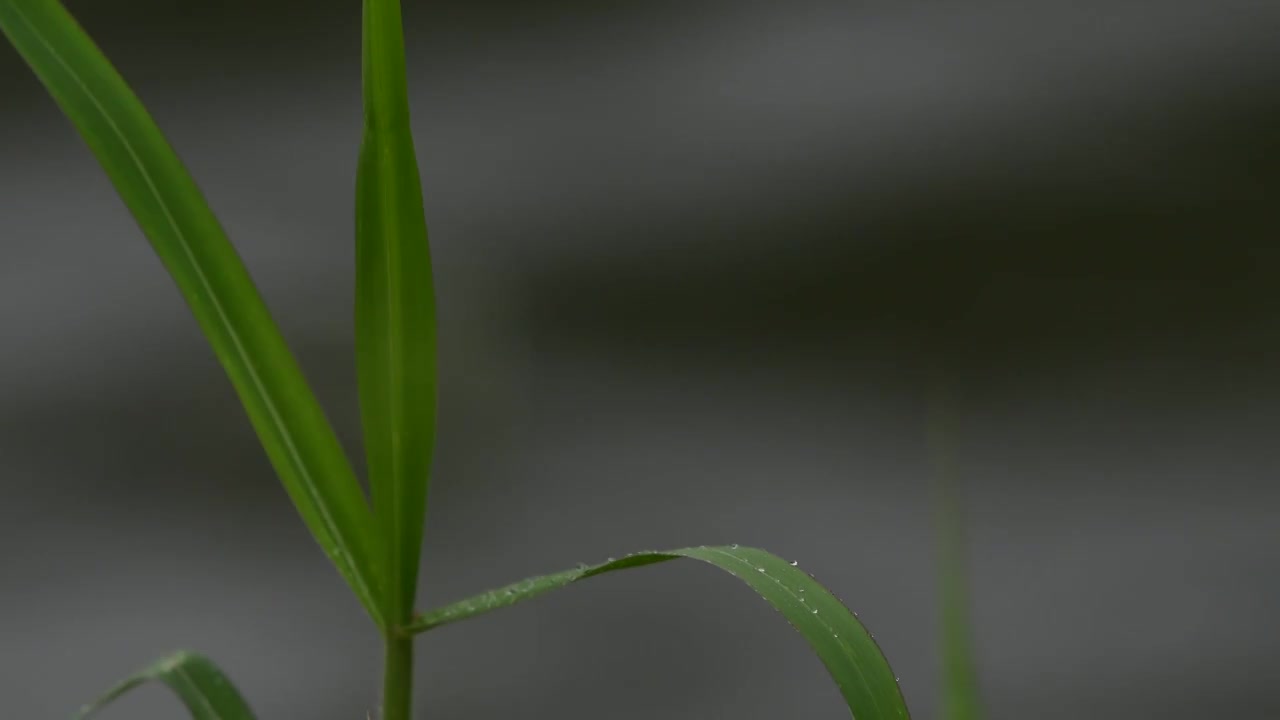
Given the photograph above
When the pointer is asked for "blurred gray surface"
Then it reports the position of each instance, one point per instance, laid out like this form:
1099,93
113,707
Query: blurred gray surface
700,266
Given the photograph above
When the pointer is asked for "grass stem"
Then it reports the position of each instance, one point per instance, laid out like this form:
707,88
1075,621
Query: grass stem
397,681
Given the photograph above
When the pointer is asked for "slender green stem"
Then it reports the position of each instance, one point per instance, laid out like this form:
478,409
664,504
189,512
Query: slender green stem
397,681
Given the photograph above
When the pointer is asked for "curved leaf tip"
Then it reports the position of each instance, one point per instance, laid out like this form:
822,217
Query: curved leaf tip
198,683
844,645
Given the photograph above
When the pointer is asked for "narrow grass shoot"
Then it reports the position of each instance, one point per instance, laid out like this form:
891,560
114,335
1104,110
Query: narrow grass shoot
960,697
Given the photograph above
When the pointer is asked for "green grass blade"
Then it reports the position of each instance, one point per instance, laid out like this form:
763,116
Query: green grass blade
395,307
835,634
203,688
961,699
189,240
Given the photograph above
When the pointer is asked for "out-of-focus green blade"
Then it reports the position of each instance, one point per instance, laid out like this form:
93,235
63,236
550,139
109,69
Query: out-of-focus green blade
203,688
835,634
189,240
960,697
395,307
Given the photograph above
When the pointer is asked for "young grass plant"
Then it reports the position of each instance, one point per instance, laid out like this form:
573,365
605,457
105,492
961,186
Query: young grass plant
373,542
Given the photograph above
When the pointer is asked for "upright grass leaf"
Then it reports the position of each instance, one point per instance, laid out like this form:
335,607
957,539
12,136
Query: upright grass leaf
189,240
835,634
395,307
960,696
207,694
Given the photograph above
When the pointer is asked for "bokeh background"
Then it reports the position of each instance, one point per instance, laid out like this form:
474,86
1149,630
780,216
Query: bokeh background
703,270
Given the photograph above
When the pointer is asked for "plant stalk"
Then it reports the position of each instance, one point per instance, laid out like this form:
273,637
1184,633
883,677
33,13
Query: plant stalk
397,681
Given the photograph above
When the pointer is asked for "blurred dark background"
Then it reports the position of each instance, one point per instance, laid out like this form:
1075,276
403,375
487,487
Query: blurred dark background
702,269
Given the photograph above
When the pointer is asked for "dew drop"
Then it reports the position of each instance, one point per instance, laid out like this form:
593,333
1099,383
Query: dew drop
815,611
760,569
733,546
794,563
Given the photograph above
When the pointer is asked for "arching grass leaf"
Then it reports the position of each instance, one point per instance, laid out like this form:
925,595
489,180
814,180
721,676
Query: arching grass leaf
203,688
835,634
189,240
